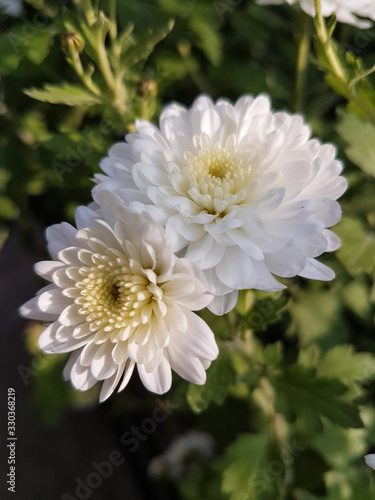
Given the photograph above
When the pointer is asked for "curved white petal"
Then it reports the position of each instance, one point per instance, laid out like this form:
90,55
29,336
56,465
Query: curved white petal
158,381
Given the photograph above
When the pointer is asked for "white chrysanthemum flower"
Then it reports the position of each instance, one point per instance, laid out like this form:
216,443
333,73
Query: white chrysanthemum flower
119,297
242,190
346,10
370,460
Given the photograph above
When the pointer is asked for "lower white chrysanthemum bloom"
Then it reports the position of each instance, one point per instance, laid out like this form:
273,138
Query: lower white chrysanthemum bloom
120,298
242,190
347,11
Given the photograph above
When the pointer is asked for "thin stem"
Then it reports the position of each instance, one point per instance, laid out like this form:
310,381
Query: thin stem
105,67
75,61
303,40
321,30
348,87
355,80
89,12
113,19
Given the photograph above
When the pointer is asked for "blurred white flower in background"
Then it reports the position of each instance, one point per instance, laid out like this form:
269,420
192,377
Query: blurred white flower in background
184,455
346,10
120,298
243,192
11,7
370,460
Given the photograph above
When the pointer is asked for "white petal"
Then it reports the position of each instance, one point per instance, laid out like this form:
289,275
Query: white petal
69,365
46,268
81,377
333,241
128,371
187,367
71,316
317,271
48,336
120,352
109,384
160,380
31,310
85,217
60,236
287,262
370,460
222,304
102,365
53,301
198,341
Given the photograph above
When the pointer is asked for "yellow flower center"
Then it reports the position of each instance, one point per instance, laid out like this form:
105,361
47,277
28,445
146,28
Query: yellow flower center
113,298
215,175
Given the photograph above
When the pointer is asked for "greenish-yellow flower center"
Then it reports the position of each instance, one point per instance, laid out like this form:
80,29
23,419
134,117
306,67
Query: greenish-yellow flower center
215,174
112,297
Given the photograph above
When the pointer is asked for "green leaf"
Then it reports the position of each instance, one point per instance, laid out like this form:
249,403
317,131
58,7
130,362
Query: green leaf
266,309
344,364
142,48
220,376
66,93
360,137
352,483
356,296
245,465
8,210
339,447
317,317
357,251
308,394
17,44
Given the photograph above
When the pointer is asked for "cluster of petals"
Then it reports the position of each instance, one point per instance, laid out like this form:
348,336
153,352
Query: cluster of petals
243,192
120,298
346,11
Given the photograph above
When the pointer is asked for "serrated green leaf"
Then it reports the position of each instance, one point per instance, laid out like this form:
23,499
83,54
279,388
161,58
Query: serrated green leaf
245,464
66,93
342,363
209,39
352,483
220,376
305,392
317,317
15,46
142,48
357,251
360,137
339,447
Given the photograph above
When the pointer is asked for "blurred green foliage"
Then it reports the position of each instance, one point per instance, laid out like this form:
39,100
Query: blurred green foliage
290,400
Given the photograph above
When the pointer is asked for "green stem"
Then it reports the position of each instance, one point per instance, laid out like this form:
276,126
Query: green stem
89,12
322,33
105,67
113,19
355,80
231,322
303,40
336,67
75,62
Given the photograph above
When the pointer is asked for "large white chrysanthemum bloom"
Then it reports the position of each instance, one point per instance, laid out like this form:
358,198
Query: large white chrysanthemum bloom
347,11
242,190
120,298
